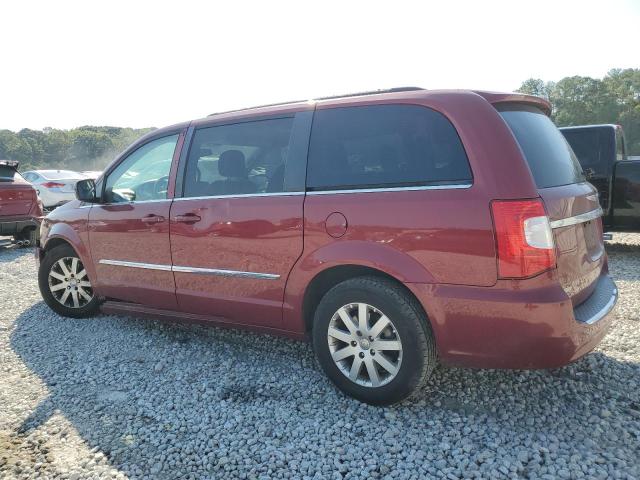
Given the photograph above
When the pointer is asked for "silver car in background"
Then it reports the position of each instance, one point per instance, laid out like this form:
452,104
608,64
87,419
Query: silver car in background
54,187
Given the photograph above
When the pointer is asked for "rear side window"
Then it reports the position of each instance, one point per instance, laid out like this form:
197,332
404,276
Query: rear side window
384,146
238,159
550,158
593,147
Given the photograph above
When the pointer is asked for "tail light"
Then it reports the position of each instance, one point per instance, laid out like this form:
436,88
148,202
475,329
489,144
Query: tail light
53,185
524,238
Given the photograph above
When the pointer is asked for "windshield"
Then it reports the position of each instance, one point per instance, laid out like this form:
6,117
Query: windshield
550,158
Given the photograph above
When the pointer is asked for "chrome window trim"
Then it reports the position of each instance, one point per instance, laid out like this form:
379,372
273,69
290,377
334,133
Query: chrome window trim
133,202
456,186
195,270
576,219
242,195
113,204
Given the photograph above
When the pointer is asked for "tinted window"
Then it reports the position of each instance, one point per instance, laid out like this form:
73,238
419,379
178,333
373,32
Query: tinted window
593,147
7,173
238,159
144,174
550,158
384,146
620,147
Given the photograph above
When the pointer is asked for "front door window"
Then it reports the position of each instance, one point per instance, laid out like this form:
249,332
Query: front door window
143,175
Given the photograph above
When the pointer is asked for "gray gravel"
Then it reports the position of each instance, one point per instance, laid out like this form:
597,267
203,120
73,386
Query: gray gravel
114,397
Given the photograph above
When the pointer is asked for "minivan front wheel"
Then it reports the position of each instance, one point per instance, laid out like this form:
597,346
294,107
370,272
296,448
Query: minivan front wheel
373,340
65,285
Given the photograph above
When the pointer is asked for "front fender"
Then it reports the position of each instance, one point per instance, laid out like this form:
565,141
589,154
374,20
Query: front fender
384,258
71,229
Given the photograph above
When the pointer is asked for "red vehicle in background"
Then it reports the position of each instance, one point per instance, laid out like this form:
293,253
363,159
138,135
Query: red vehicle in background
20,209
394,229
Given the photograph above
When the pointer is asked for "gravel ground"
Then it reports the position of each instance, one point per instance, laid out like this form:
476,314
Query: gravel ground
114,397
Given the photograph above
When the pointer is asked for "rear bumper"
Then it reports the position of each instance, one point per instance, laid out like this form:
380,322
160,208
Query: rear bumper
516,324
14,226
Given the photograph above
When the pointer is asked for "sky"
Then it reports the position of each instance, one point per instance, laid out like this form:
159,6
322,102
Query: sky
131,63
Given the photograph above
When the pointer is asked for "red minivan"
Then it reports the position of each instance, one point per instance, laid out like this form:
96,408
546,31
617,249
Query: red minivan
394,229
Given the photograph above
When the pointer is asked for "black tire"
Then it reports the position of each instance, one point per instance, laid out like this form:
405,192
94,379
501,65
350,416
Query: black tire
411,326
47,263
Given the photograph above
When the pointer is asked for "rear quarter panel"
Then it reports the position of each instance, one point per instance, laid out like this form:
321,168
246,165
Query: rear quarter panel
426,236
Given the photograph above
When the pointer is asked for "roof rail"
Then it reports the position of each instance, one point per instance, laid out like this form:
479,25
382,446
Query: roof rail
331,97
371,92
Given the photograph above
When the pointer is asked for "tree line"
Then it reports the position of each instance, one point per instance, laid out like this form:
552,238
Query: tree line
575,101
584,100
83,148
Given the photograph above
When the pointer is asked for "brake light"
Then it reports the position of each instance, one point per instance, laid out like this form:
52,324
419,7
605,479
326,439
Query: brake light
52,185
524,238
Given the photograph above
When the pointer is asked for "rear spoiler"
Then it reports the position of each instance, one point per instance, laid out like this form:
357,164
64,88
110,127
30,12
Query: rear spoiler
10,163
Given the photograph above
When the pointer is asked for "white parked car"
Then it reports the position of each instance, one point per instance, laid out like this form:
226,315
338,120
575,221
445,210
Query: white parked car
54,187
94,174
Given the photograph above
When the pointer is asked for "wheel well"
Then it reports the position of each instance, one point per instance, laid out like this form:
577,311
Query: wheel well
327,279
53,243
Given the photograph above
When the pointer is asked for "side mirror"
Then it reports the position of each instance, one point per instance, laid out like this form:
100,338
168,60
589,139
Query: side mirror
86,190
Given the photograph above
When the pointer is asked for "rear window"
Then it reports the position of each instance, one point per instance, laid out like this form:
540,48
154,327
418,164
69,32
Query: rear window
384,146
594,147
548,154
8,174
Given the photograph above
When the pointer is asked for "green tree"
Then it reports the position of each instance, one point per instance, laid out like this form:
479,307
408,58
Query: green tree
537,87
83,148
581,100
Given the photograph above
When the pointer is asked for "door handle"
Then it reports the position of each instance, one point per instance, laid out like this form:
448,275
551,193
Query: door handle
153,219
187,218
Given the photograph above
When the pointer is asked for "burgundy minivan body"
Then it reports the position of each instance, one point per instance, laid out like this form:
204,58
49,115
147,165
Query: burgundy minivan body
263,260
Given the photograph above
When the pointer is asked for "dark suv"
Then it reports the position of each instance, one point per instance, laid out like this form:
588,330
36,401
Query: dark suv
394,229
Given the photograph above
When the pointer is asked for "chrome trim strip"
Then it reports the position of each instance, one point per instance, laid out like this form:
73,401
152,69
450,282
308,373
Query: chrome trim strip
456,186
225,273
196,270
604,310
134,202
148,266
576,219
243,195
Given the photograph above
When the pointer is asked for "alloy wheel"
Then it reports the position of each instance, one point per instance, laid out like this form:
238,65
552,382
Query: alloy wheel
69,283
364,344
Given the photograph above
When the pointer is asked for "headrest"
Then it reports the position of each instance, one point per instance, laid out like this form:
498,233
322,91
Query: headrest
204,152
231,164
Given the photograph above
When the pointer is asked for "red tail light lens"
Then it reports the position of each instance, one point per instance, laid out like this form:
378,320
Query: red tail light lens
52,185
524,238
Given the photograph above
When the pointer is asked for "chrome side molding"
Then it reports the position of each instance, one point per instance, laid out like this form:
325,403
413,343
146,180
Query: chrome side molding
576,219
225,273
147,266
196,270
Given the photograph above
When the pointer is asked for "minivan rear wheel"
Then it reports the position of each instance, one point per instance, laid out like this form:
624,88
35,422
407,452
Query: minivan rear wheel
65,285
373,340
